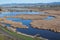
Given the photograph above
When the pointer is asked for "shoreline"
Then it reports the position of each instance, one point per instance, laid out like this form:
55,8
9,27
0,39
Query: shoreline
31,36
12,23
14,30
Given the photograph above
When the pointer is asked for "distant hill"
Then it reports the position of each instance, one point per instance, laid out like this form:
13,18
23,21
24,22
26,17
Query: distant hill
30,4
57,3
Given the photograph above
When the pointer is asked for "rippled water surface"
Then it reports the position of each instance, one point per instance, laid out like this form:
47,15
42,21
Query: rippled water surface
32,31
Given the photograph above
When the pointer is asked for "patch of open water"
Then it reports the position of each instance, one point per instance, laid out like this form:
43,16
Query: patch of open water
32,31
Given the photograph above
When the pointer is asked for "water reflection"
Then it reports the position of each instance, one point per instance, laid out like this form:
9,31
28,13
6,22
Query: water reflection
32,31
49,18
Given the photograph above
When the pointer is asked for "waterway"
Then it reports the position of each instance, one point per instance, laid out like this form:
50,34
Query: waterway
32,31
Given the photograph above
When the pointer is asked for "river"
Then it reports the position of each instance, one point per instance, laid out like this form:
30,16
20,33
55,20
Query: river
32,31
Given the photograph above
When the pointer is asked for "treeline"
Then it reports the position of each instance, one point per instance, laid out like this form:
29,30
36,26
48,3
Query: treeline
55,7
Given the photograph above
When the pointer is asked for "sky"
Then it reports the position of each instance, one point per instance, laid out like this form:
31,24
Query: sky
27,1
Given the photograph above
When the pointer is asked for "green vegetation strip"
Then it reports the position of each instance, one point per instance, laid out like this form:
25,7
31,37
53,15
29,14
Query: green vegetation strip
2,37
19,35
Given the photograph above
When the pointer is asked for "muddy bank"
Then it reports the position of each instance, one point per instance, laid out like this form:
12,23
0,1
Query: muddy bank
53,25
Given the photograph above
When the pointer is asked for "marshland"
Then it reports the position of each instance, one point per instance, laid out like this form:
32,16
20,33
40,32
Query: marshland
40,21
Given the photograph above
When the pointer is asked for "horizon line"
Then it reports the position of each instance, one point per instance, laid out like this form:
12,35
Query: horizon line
25,3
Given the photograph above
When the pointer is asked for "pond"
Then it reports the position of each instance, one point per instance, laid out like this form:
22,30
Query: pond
32,31
49,18
2,14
